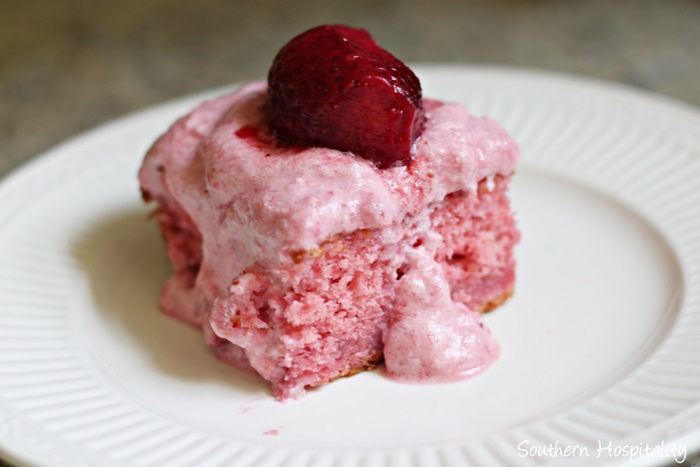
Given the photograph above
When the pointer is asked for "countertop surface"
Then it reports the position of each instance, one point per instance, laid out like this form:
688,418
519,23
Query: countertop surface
68,66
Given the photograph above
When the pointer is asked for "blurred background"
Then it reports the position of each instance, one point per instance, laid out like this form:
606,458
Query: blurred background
66,66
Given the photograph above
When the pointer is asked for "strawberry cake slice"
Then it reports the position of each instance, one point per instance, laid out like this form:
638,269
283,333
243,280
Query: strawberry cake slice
330,219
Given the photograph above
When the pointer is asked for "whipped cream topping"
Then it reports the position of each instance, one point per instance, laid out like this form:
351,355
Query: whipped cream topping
254,201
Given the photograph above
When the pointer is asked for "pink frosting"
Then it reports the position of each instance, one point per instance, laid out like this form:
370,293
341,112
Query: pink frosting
431,338
253,201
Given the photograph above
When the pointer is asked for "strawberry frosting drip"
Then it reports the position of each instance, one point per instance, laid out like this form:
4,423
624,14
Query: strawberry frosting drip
254,202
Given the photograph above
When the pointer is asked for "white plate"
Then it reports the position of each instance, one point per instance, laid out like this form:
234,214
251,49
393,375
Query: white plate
600,345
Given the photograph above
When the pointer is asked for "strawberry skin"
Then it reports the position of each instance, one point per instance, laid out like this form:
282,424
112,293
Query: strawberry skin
334,86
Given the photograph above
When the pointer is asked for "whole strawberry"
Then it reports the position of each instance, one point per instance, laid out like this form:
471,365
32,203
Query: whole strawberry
334,86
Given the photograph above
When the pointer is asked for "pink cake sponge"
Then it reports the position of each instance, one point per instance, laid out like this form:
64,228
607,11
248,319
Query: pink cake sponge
308,264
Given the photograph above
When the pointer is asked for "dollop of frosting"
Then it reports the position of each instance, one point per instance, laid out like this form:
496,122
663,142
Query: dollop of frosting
431,338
